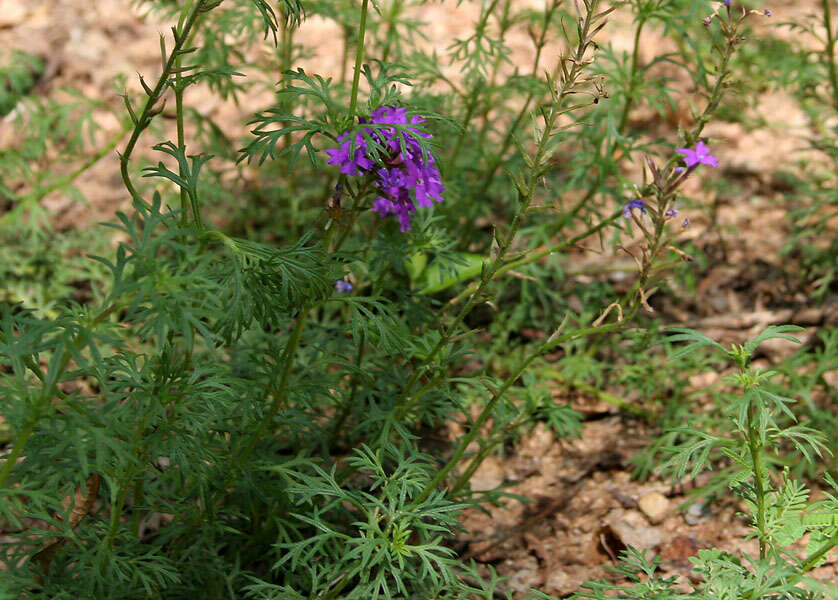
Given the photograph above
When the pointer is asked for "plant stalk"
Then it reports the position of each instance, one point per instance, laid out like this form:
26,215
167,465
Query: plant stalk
359,59
149,109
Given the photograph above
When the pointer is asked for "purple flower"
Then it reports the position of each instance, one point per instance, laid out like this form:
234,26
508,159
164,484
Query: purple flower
727,2
685,224
350,165
700,156
767,12
672,212
342,286
633,204
408,177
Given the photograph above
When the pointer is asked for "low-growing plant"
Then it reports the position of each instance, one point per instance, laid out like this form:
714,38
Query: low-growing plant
752,440
236,406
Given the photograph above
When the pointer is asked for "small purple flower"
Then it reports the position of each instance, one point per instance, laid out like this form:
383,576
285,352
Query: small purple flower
700,156
679,170
706,21
685,224
631,205
766,12
672,213
342,286
727,2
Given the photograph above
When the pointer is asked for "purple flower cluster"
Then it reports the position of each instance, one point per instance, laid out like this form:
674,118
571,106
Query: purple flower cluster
693,158
407,178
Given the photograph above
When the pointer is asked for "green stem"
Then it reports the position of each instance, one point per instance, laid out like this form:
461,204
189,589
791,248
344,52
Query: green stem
830,52
813,558
139,495
534,256
505,24
286,54
492,171
406,402
558,377
359,58
181,143
149,109
140,445
20,442
353,390
339,587
474,98
496,396
755,448
470,108
277,388
635,58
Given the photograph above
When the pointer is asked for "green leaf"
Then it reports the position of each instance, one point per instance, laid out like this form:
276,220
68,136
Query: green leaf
438,277
415,265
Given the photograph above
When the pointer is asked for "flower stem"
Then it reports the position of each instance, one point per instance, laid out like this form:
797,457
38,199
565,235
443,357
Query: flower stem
359,59
577,64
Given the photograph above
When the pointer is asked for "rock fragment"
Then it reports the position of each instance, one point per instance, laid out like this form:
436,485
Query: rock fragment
654,505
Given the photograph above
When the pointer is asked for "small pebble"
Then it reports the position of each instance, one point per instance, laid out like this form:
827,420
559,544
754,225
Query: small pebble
654,505
696,513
